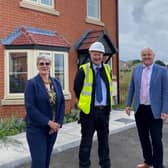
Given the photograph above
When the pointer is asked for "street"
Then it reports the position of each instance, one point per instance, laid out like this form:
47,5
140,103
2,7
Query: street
125,152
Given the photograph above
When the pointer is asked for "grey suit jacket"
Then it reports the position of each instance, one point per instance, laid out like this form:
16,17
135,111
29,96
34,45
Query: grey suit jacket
158,90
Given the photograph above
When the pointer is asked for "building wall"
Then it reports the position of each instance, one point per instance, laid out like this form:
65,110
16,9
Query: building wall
71,24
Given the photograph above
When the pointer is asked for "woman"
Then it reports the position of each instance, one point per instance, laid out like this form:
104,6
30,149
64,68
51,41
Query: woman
44,102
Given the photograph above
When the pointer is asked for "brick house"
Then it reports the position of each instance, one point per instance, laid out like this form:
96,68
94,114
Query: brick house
62,28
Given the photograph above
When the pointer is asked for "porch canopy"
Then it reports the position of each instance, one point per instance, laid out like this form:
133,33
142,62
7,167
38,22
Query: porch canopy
88,38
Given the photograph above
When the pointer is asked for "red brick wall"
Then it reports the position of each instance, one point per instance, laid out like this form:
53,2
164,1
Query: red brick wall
71,24
19,111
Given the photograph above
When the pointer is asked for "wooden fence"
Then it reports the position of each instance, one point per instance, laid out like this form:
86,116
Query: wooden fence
123,94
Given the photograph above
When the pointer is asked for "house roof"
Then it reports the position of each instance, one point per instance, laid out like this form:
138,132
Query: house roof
91,36
33,36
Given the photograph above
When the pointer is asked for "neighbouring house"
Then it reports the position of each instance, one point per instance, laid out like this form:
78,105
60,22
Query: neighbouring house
124,66
63,29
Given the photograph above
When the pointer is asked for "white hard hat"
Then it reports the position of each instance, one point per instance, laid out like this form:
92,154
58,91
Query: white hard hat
97,46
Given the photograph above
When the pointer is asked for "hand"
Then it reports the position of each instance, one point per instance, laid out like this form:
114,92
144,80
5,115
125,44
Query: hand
128,110
164,116
54,126
51,131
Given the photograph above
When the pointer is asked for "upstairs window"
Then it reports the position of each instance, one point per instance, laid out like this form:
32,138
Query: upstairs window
49,3
46,6
93,9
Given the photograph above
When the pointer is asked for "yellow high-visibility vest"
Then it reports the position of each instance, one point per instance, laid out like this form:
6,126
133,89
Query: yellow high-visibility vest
85,97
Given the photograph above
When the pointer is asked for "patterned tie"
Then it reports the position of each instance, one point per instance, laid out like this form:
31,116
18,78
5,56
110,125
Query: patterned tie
144,86
99,96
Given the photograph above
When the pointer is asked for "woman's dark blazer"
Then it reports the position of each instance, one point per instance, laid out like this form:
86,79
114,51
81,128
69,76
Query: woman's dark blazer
38,108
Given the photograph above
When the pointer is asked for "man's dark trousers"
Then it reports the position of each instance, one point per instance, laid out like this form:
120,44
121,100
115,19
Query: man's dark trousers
97,121
150,134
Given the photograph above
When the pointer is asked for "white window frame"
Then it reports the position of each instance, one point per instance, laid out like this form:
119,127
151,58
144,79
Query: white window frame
8,95
66,74
99,12
94,20
66,67
38,2
17,98
38,6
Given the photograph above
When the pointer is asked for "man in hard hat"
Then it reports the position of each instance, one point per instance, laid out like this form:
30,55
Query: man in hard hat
93,89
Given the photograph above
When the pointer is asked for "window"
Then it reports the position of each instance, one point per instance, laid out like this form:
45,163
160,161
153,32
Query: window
93,12
17,72
46,6
59,68
93,9
49,3
20,65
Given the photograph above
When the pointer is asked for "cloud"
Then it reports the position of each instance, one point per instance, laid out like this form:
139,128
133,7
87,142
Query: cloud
129,47
138,10
158,16
143,23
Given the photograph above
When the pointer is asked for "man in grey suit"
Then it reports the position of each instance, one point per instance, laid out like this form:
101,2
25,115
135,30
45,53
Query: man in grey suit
149,89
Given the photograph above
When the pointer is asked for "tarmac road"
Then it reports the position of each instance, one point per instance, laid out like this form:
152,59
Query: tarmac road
125,152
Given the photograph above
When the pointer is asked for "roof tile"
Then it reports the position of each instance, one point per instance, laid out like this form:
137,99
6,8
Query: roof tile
90,38
33,36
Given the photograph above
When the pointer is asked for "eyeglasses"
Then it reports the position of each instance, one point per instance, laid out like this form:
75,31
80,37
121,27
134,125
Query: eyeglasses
44,63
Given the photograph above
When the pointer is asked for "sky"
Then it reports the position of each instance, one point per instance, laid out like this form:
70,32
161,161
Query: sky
143,23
